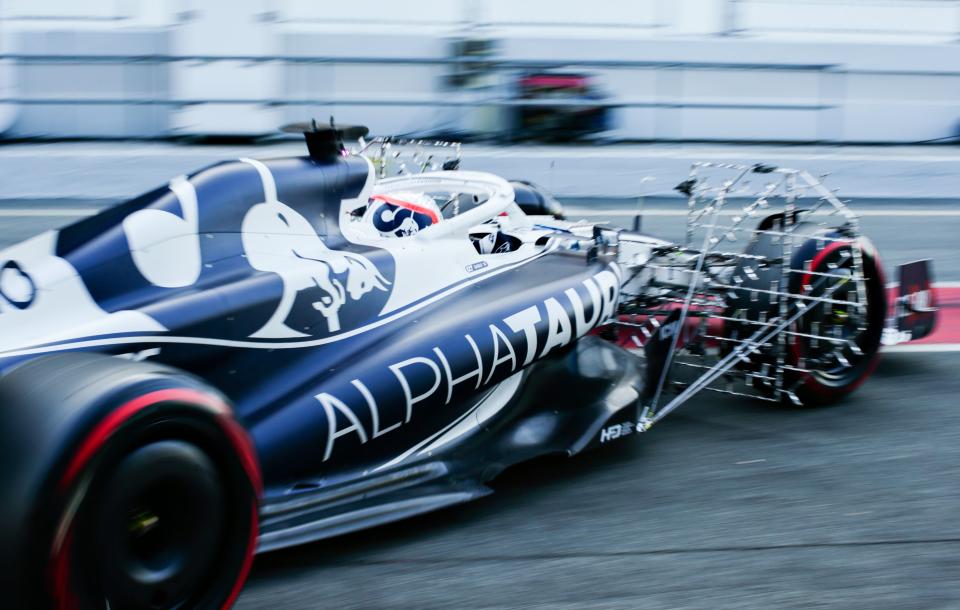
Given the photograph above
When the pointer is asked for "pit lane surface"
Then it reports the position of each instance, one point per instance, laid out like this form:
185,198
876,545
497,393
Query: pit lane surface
726,504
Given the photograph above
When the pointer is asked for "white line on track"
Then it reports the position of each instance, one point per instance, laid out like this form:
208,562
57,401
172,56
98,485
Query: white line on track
879,212
611,153
613,213
875,212
923,348
662,154
46,212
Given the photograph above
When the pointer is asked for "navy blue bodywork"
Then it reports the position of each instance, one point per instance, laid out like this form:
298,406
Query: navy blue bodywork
332,417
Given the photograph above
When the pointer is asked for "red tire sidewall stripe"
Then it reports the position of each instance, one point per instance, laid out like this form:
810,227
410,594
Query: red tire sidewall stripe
60,575
247,561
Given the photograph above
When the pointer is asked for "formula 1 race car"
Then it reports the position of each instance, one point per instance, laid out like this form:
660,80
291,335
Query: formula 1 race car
266,353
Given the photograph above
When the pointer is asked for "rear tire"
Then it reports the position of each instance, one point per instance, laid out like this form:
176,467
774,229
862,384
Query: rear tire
154,525
142,493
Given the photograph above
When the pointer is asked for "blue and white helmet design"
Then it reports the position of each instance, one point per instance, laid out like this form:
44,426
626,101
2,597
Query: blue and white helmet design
402,214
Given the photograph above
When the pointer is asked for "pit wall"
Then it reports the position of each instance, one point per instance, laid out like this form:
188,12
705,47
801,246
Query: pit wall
753,70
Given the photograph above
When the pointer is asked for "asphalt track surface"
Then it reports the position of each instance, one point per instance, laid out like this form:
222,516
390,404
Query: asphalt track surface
725,504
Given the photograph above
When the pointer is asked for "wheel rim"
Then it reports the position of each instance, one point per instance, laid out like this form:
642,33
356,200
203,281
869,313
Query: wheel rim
842,365
159,528
76,571
836,321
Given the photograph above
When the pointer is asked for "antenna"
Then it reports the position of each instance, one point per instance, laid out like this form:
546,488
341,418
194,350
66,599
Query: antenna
325,143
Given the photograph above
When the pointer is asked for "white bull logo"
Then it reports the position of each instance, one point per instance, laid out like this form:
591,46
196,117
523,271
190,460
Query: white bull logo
279,239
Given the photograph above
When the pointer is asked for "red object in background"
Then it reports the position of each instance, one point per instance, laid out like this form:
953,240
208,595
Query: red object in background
559,107
537,81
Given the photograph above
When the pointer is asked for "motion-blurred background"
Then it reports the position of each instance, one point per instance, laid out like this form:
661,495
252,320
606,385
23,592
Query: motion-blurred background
703,70
731,504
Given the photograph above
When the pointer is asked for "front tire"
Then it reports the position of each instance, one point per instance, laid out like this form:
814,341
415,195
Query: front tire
835,369
817,372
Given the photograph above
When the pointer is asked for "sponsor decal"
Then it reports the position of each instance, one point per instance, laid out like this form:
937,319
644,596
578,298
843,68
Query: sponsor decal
105,275
277,238
43,298
612,433
391,399
17,288
165,247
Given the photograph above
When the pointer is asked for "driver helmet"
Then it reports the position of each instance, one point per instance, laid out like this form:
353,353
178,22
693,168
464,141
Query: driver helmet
403,214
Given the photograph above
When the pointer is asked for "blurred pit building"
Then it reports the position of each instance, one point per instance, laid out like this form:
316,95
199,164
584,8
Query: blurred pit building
885,71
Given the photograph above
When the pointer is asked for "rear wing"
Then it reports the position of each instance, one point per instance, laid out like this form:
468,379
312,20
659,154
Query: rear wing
913,309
